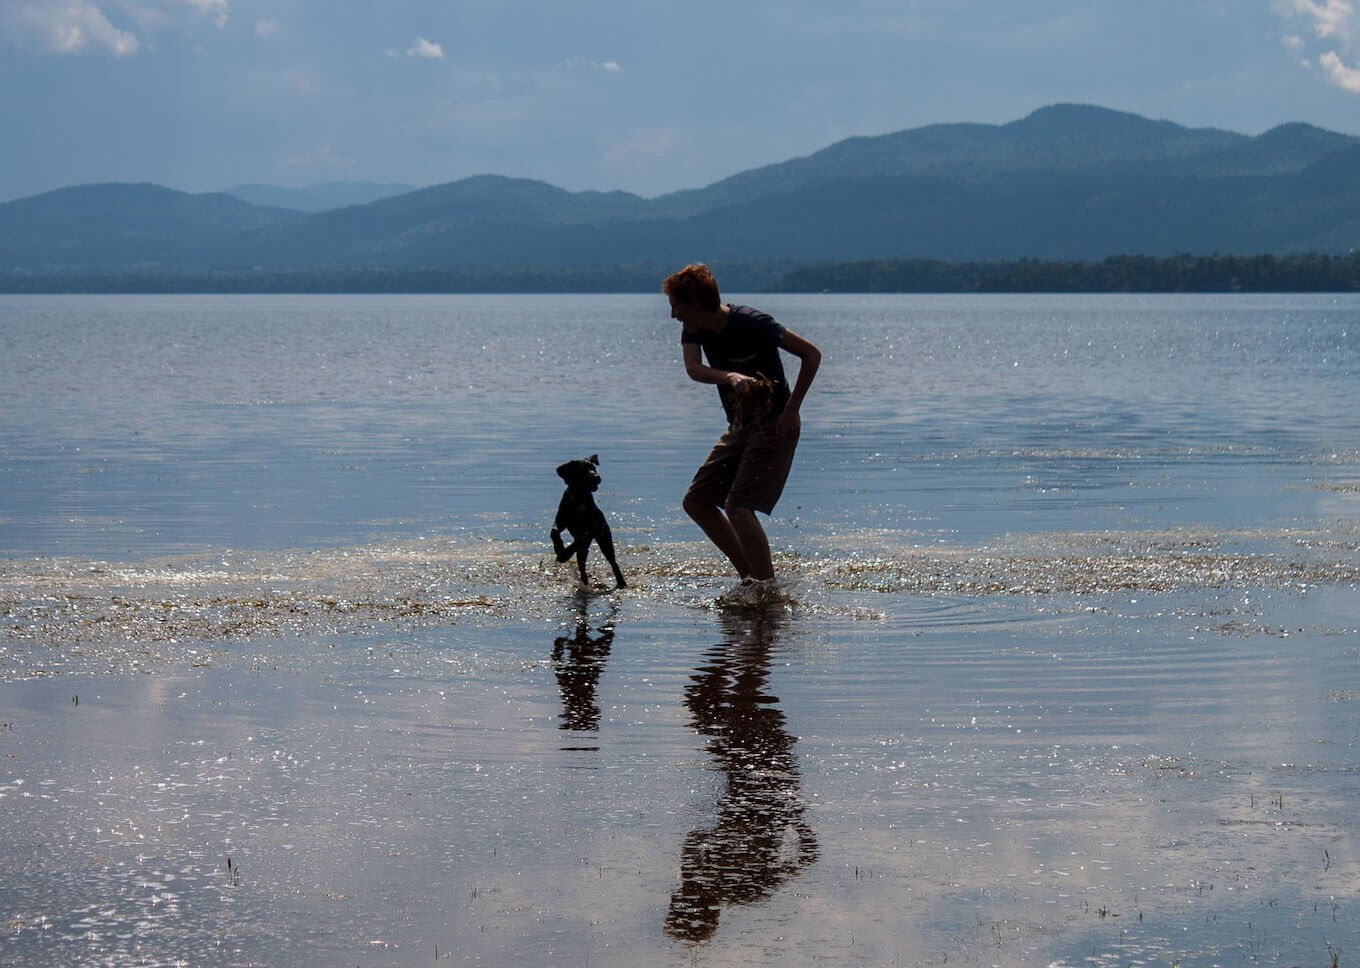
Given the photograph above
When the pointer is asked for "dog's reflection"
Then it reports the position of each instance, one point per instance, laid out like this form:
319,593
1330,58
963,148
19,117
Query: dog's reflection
759,838
578,660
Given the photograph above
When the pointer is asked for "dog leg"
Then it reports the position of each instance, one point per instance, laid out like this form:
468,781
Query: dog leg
558,547
564,552
606,539
581,559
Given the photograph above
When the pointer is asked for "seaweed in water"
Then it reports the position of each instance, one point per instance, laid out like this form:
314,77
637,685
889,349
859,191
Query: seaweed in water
752,399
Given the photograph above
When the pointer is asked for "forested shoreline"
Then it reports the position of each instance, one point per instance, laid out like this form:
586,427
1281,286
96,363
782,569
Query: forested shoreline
1307,272
1125,273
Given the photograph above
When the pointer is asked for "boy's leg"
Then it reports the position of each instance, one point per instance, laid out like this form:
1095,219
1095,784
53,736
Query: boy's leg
704,500
755,546
757,486
718,527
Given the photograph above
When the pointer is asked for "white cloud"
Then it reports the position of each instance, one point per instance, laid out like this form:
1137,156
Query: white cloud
219,10
1342,76
266,28
149,15
67,27
83,26
609,66
1331,18
1335,22
323,157
426,49
301,81
645,146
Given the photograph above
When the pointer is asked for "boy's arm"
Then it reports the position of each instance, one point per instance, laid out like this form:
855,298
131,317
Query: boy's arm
698,371
811,358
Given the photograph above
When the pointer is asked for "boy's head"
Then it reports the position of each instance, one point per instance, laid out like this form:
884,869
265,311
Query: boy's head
693,285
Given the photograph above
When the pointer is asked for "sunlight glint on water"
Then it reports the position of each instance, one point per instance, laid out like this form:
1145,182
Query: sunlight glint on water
1072,676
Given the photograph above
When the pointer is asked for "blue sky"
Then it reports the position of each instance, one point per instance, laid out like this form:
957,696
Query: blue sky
638,95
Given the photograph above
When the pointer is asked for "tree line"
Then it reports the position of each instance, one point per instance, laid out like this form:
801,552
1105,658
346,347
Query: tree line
1308,272
472,279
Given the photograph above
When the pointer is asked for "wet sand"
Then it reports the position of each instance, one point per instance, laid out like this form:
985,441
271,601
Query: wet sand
1098,749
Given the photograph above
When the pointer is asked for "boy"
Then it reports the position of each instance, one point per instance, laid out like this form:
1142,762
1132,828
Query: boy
737,349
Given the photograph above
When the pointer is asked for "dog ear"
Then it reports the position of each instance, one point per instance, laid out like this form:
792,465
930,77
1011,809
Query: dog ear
594,459
564,470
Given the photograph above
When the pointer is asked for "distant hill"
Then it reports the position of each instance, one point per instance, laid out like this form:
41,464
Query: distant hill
485,220
318,198
118,226
1066,182
1060,138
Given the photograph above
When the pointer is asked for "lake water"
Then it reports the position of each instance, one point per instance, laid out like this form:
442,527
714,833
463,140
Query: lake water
141,425
1070,674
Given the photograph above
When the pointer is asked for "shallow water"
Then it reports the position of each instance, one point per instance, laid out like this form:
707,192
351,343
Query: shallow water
1069,671
1072,779
137,426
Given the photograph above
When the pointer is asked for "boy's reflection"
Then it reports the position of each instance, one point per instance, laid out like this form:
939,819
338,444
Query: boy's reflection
759,839
578,661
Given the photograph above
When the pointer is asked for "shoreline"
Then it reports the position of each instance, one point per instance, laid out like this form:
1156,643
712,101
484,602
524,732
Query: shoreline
62,614
1016,778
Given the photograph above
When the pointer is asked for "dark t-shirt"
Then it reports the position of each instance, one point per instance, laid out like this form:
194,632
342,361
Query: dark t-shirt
747,344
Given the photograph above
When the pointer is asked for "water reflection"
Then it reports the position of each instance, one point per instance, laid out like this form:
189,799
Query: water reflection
759,838
578,660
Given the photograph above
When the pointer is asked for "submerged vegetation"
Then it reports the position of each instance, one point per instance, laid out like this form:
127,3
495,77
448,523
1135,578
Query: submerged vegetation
752,399
61,616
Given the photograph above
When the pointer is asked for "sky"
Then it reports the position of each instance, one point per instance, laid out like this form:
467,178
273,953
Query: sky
638,95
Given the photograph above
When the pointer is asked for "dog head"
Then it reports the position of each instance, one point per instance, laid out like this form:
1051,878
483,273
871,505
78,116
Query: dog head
581,473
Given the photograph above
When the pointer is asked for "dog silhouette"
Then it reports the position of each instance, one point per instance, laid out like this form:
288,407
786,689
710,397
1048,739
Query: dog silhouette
579,514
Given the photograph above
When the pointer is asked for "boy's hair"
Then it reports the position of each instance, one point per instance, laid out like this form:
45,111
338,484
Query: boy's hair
694,284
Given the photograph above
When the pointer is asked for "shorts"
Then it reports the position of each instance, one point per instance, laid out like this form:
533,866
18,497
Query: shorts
747,468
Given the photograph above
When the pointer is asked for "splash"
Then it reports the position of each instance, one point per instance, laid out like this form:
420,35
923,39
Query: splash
55,613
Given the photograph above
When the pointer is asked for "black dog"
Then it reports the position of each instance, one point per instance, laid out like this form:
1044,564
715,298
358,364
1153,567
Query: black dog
579,514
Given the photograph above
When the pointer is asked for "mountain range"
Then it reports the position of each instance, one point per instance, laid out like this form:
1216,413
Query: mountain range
1066,182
